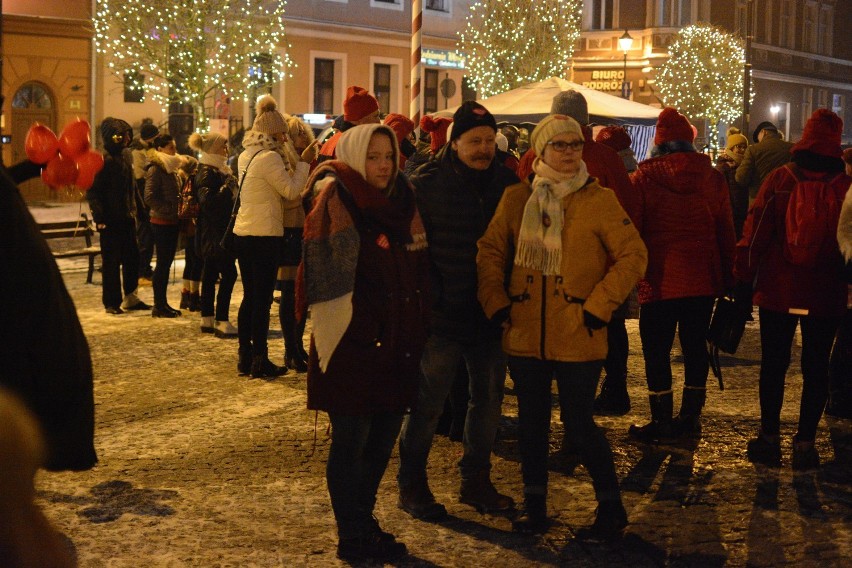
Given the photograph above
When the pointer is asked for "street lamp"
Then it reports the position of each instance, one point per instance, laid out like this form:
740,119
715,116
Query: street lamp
625,42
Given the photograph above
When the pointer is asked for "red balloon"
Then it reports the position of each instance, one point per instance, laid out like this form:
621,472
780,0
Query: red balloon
75,138
41,144
60,172
89,163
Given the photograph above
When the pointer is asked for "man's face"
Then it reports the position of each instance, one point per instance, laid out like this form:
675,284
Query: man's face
476,147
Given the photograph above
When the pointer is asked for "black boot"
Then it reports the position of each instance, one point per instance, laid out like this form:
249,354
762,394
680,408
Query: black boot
659,429
688,422
533,518
184,299
610,522
194,302
287,318
244,361
262,367
417,500
299,336
613,400
478,492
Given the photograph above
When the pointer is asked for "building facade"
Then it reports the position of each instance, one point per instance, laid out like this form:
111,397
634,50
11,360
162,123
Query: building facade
801,52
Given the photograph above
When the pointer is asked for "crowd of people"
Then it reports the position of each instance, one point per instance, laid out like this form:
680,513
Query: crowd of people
425,265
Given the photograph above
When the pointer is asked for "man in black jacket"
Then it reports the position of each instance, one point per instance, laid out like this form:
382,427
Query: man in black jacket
457,194
112,199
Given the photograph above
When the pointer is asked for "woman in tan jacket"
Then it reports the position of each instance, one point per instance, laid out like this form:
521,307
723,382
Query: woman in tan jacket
570,256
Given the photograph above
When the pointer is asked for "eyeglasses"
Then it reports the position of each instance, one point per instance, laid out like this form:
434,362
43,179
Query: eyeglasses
561,146
739,147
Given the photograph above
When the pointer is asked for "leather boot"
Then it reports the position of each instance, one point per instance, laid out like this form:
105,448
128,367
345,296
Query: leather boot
613,400
533,518
262,368
194,302
478,492
610,522
659,429
688,422
287,318
184,299
244,361
299,336
417,500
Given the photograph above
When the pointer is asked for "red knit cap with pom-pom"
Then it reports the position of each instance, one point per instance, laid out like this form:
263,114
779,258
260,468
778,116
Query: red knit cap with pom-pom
616,137
822,134
437,129
671,125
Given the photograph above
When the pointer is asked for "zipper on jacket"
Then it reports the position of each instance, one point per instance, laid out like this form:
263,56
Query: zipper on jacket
543,303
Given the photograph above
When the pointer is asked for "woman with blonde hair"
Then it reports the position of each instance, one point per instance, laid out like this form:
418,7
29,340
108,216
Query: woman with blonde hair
268,181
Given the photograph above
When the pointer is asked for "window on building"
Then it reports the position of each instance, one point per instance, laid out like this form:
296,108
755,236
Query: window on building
31,96
438,5
741,17
824,30
786,24
810,15
324,86
382,86
392,4
602,14
133,91
838,105
468,90
675,13
430,91
807,104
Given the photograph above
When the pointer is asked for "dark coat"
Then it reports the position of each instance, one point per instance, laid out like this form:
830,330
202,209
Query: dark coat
215,192
738,193
606,165
781,285
45,357
760,159
376,365
162,193
684,217
457,204
112,197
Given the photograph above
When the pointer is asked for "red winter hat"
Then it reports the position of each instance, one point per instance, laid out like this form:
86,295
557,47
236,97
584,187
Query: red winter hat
400,124
358,104
437,129
616,137
671,125
822,134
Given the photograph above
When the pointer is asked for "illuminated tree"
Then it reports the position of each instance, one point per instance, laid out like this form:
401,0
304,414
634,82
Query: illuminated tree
703,76
508,43
182,51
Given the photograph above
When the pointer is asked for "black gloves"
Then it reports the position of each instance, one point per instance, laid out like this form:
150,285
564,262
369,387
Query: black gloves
592,322
742,295
501,316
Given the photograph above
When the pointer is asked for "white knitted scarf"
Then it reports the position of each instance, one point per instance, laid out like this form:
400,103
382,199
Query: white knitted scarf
217,161
540,238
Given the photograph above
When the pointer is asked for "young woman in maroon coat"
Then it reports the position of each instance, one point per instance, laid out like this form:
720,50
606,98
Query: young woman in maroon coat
365,277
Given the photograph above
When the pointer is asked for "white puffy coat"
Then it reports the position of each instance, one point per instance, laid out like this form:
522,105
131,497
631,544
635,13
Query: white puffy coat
269,181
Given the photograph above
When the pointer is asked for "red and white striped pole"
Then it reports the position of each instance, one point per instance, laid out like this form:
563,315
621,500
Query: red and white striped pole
416,65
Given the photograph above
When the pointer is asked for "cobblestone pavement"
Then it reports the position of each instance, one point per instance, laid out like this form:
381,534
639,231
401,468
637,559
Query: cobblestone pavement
200,467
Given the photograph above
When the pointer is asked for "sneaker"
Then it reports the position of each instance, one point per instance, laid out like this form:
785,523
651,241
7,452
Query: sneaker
805,456
207,324
765,450
224,330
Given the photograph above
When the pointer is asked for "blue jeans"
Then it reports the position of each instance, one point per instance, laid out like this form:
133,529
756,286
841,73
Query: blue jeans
486,367
577,383
361,447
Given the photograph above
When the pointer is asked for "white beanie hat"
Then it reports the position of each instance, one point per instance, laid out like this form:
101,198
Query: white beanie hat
269,120
351,149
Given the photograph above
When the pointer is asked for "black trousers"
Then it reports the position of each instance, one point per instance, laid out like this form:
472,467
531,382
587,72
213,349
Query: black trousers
165,239
776,339
225,266
120,259
658,322
258,259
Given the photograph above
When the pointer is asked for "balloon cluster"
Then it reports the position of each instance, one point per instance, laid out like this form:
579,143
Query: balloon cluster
69,158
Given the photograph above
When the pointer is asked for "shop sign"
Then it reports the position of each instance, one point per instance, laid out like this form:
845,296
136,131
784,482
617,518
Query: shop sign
441,58
605,80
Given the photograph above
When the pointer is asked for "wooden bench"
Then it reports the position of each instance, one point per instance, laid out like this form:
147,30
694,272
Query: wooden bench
80,229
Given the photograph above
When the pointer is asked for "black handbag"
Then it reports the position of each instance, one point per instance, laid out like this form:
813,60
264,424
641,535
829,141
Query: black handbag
291,251
726,330
227,241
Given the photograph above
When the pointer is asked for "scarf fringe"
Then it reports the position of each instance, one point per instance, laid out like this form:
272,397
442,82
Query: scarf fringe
533,254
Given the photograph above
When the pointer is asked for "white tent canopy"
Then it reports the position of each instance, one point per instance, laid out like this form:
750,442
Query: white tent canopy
531,103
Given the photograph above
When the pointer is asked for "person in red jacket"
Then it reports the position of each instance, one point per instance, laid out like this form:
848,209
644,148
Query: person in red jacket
684,217
359,107
604,163
789,294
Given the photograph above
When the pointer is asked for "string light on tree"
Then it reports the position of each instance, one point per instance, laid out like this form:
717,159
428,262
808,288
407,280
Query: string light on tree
703,76
186,51
509,43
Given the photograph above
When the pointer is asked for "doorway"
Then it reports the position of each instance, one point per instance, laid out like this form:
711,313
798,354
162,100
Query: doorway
33,102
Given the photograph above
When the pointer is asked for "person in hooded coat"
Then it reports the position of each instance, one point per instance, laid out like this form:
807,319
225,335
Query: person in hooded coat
365,277
790,295
684,216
